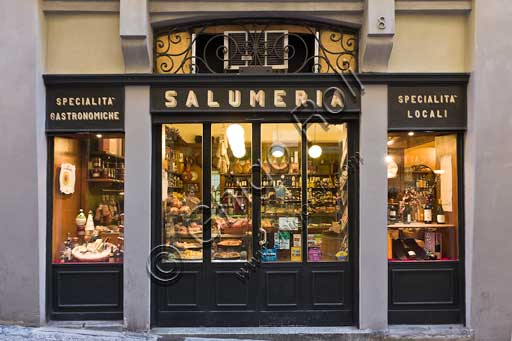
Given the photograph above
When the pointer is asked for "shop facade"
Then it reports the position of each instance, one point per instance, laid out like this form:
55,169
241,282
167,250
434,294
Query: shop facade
257,169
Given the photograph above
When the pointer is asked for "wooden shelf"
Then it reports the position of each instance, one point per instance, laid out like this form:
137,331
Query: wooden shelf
419,225
105,180
105,154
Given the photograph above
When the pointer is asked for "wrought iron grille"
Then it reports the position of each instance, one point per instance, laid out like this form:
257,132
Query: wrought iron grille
255,47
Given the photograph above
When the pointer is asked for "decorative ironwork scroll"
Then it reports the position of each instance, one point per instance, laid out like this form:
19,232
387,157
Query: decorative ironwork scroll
275,47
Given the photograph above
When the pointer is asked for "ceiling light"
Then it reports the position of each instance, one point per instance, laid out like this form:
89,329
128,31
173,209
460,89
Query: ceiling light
236,140
99,136
411,133
315,151
277,150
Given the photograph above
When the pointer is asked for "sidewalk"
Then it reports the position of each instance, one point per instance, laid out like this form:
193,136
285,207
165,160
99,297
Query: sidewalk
76,331
15,333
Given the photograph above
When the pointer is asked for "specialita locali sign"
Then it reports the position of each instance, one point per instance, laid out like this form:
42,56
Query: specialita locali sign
427,107
85,109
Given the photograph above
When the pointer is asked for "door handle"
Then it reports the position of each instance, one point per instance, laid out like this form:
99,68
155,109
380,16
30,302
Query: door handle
264,239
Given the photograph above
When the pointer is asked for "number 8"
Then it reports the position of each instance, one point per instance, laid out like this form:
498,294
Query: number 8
381,23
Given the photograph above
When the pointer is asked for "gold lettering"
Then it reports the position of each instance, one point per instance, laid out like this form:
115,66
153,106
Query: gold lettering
300,97
400,99
191,100
211,102
235,98
170,99
336,100
319,98
258,97
278,98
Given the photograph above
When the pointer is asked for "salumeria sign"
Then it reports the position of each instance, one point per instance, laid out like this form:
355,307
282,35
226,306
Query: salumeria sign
165,99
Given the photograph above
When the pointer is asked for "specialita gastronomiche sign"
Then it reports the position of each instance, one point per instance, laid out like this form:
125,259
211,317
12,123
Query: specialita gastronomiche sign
84,108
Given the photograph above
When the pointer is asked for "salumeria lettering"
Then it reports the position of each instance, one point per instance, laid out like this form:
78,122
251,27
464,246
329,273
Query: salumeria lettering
257,98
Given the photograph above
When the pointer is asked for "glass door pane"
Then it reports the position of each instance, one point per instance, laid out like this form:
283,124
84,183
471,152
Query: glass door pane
327,188
281,195
182,200
231,190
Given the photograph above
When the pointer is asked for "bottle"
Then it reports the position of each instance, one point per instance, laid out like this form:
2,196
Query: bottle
407,218
440,217
89,225
411,254
427,212
393,212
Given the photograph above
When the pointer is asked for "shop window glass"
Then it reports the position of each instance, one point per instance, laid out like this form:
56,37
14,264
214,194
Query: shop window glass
422,196
327,185
88,199
281,197
182,186
231,180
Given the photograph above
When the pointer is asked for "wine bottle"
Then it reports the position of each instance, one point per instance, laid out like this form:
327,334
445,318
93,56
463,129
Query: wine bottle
393,214
440,217
410,253
407,217
427,212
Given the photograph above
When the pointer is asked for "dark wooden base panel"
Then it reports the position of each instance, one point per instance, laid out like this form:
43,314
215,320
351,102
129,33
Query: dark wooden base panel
87,292
425,293
273,295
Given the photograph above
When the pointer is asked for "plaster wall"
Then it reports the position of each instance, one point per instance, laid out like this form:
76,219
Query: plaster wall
488,172
20,106
83,44
430,43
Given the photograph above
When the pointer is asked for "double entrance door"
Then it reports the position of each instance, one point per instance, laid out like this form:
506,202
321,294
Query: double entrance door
254,224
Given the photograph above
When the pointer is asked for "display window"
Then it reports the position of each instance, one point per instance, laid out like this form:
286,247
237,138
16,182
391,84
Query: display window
88,198
281,197
289,203
422,196
232,184
182,202
327,184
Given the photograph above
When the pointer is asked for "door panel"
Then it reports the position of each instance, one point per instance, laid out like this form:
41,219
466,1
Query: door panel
257,209
281,194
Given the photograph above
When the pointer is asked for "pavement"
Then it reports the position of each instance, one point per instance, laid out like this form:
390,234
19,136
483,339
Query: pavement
110,332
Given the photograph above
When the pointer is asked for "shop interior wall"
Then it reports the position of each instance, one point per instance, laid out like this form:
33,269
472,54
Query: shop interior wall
65,206
430,43
83,44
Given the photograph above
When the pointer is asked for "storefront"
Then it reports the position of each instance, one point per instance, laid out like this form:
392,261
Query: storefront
425,198
255,200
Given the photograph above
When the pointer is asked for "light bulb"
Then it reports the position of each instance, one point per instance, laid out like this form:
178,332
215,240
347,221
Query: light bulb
277,150
389,158
239,151
411,133
99,136
315,151
236,140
